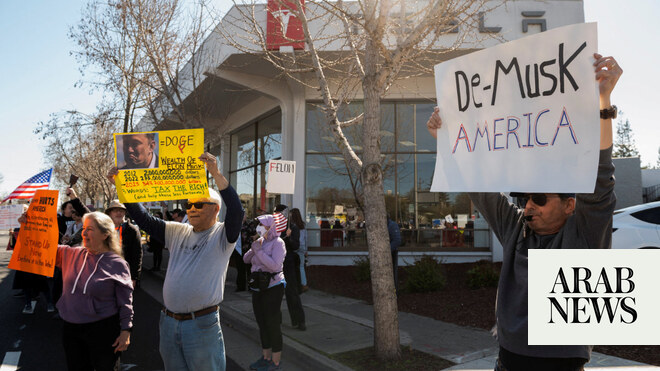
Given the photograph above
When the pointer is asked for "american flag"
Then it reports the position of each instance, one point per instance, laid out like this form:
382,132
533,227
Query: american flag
280,222
30,186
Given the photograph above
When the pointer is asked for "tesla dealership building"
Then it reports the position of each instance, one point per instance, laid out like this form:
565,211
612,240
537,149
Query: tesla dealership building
254,114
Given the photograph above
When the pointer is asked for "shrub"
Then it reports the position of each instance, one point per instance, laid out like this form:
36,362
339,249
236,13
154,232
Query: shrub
363,269
482,275
425,275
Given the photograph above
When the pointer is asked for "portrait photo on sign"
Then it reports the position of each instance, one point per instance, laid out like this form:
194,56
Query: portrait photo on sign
136,150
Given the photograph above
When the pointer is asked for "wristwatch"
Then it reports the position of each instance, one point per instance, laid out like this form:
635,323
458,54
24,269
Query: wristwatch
608,113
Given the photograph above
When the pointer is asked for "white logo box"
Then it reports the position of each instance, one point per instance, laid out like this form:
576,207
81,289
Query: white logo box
634,318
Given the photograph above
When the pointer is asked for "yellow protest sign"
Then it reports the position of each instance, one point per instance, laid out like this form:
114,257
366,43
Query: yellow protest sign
36,247
160,165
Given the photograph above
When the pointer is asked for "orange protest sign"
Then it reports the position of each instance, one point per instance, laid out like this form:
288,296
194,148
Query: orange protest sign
36,247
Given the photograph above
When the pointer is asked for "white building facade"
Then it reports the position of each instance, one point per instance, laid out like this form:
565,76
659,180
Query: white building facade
254,114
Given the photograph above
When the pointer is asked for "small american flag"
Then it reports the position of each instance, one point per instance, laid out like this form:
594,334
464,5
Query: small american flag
280,222
30,186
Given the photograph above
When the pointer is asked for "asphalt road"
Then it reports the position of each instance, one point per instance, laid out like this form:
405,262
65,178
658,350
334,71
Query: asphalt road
33,342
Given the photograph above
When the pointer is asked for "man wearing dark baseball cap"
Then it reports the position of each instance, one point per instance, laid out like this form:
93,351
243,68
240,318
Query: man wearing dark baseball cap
129,236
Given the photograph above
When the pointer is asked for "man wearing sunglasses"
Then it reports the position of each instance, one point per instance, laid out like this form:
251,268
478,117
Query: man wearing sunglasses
548,221
190,333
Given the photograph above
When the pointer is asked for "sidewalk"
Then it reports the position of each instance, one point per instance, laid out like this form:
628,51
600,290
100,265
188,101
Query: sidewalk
337,324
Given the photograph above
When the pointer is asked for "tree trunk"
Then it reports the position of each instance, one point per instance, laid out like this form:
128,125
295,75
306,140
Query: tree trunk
386,321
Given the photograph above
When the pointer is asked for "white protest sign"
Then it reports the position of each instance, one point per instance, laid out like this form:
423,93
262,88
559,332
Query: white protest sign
281,176
521,116
9,215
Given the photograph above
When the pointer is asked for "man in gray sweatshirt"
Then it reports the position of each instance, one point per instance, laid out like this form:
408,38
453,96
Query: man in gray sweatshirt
548,221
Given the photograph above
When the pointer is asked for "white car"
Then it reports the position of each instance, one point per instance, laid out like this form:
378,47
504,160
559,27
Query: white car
637,227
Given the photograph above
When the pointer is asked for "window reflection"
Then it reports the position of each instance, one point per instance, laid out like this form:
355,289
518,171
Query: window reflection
243,148
428,220
251,149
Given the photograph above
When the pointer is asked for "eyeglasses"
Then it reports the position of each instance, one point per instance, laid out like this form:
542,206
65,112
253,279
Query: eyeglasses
198,205
539,199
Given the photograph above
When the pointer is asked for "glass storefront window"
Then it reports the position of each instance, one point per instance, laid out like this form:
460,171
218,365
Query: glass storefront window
428,220
243,182
269,138
251,149
243,146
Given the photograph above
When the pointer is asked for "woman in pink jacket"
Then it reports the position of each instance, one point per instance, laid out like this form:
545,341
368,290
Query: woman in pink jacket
267,255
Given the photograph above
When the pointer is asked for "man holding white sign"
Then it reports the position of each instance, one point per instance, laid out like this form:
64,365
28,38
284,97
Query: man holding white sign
548,221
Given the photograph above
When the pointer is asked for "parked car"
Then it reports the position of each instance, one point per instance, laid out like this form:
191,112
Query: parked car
637,227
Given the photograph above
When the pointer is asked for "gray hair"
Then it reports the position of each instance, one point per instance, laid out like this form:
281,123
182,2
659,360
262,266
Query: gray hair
107,227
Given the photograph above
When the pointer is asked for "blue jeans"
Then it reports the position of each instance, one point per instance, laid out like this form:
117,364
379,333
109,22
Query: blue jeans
195,344
303,277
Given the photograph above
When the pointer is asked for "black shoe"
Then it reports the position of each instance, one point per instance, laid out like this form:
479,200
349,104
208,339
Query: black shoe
294,324
302,327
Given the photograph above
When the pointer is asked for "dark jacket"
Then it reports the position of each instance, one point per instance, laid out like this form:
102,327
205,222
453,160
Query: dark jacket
131,244
589,228
395,234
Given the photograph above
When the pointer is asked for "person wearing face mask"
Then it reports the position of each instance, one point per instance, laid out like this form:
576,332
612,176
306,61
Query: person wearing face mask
267,255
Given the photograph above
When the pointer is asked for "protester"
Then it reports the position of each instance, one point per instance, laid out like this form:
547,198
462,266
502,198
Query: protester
64,219
96,304
73,234
179,216
242,270
190,332
550,221
293,288
156,248
394,233
296,219
129,238
267,256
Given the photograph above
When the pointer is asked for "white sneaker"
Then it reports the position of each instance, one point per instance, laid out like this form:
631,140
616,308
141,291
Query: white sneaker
29,309
50,308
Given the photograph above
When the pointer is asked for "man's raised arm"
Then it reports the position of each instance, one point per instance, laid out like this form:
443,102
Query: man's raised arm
155,227
234,216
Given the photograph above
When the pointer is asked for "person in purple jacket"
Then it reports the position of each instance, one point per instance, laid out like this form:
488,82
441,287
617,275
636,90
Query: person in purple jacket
97,299
267,255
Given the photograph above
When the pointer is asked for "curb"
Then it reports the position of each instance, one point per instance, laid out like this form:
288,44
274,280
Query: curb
304,356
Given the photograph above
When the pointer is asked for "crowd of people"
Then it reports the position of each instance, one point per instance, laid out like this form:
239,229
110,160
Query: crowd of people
99,263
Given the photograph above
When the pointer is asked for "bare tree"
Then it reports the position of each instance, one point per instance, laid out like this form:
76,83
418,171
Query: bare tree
106,41
372,45
143,50
170,37
80,144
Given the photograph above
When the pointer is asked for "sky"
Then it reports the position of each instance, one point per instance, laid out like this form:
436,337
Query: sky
38,73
